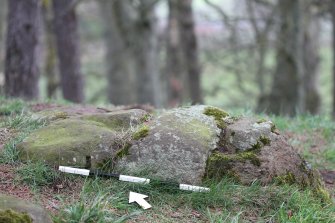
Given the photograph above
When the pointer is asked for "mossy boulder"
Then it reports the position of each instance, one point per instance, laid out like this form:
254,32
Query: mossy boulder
251,150
82,141
186,144
176,146
19,211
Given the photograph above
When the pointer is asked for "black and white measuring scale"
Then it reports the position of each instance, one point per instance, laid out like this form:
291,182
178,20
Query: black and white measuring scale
132,179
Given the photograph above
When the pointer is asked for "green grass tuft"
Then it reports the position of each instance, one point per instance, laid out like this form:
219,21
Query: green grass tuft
14,106
93,208
23,124
36,174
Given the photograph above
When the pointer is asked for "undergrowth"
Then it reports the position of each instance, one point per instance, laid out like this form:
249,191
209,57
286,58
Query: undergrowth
21,125
36,174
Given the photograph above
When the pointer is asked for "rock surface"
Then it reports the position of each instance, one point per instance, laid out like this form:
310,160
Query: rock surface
185,144
82,141
11,206
177,146
252,149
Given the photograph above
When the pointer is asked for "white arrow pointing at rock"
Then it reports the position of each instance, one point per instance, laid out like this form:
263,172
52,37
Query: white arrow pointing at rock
139,198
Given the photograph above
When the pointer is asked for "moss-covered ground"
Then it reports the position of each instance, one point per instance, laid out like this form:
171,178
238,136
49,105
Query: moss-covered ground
79,199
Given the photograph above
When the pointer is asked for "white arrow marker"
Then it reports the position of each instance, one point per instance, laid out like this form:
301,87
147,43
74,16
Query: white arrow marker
139,198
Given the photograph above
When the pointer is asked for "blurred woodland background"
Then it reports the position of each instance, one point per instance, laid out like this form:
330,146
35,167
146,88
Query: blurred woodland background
272,56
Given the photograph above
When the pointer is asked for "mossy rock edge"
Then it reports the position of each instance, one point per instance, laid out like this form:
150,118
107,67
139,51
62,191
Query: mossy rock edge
22,211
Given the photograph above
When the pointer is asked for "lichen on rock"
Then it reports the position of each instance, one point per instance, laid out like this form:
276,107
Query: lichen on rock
77,140
10,216
177,146
16,210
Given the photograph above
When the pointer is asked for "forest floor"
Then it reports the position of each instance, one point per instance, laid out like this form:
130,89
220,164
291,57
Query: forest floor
77,199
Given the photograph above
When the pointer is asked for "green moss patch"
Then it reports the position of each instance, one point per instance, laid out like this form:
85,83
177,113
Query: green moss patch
124,151
287,178
220,164
262,120
265,140
10,216
141,132
218,115
146,118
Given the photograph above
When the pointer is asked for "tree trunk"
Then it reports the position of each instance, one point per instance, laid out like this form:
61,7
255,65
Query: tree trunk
333,21
119,59
311,62
183,67
3,13
287,94
175,68
21,66
132,52
146,49
50,48
67,41
190,48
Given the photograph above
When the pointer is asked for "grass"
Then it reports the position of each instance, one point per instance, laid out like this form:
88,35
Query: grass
22,124
96,204
36,174
8,107
305,126
226,202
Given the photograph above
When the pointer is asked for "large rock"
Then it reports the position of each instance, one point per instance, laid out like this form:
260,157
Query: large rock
16,210
177,146
253,149
82,141
184,144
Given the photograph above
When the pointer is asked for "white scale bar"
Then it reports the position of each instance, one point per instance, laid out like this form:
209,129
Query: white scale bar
193,188
131,179
67,169
134,179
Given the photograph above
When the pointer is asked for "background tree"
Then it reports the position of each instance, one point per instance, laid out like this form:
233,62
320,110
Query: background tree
3,11
311,59
294,87
183,68
67,41
332,7
23,38
132,52
50,63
